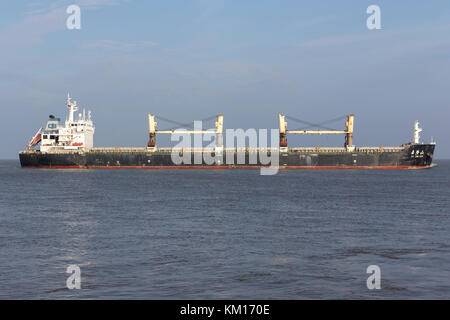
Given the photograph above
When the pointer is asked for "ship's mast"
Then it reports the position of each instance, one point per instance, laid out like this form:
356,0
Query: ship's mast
417,131
72,107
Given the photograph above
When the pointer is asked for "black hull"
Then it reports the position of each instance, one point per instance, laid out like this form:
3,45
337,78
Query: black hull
410,157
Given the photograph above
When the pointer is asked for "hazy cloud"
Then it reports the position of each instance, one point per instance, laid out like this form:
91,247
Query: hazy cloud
120,45
42,20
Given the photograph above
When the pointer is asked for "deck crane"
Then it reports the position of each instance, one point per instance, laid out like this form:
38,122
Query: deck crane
152,131
348,131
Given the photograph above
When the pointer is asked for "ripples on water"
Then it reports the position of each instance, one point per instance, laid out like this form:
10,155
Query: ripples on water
212,234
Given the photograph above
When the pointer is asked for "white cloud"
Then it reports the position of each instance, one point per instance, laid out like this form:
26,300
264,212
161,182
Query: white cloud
40,21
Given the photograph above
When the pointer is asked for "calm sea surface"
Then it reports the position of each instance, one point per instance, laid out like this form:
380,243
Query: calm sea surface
224,234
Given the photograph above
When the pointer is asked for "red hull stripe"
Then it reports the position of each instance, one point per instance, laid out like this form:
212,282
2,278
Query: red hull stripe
235,167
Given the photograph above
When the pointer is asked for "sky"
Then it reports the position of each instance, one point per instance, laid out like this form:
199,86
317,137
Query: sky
248,59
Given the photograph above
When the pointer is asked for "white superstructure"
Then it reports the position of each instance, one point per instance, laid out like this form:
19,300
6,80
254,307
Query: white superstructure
77,132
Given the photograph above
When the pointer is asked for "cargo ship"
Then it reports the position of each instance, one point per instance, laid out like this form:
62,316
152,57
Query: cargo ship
71,145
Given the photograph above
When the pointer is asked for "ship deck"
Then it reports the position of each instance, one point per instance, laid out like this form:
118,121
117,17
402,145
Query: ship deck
168,150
